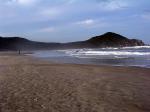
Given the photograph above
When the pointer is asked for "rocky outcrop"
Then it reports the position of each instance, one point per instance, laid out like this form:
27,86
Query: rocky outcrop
111,39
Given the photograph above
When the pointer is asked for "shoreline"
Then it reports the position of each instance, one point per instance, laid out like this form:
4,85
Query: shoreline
31,84
84,64
131,58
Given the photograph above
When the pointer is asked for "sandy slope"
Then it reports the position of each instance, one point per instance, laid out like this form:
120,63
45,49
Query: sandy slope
31,85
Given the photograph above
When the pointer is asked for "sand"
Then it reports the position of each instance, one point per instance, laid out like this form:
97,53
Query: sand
28,84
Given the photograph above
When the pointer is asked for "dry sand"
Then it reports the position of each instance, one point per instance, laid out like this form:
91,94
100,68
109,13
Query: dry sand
31,85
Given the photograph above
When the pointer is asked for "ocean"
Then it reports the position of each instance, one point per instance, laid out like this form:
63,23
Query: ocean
127,56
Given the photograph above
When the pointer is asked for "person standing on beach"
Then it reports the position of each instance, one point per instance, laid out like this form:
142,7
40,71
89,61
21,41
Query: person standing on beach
19,52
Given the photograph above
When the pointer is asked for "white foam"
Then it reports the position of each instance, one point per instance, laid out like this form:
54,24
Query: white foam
103,53
137,47
114,48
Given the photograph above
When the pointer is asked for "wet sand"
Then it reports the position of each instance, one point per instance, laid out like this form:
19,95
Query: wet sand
28,84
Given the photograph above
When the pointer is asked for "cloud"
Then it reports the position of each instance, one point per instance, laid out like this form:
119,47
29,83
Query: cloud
47,30
49,13
70,1
105,5
112,5
22,2
92,23
86,22
146,16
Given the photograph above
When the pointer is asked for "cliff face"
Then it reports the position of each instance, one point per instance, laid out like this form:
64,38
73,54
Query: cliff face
106,40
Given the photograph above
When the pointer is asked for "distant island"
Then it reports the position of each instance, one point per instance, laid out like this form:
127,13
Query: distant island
108,39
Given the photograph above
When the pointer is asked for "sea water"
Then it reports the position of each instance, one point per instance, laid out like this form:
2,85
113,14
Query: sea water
127,56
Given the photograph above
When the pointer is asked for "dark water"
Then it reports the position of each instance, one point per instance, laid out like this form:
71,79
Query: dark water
128,56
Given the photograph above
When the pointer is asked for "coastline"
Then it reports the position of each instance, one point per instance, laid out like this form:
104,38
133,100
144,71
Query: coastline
133,57
30,84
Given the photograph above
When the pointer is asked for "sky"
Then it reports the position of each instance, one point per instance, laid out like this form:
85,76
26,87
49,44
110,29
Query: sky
74,20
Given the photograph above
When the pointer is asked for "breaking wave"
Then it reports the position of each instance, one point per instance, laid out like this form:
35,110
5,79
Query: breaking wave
99,53
126,56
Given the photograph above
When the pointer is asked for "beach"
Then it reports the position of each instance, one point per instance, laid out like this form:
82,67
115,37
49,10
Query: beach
28,84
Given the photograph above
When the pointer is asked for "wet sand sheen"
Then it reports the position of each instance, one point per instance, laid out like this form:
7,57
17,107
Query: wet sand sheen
31,85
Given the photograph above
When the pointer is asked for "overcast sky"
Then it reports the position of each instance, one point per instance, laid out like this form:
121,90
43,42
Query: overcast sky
72,20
